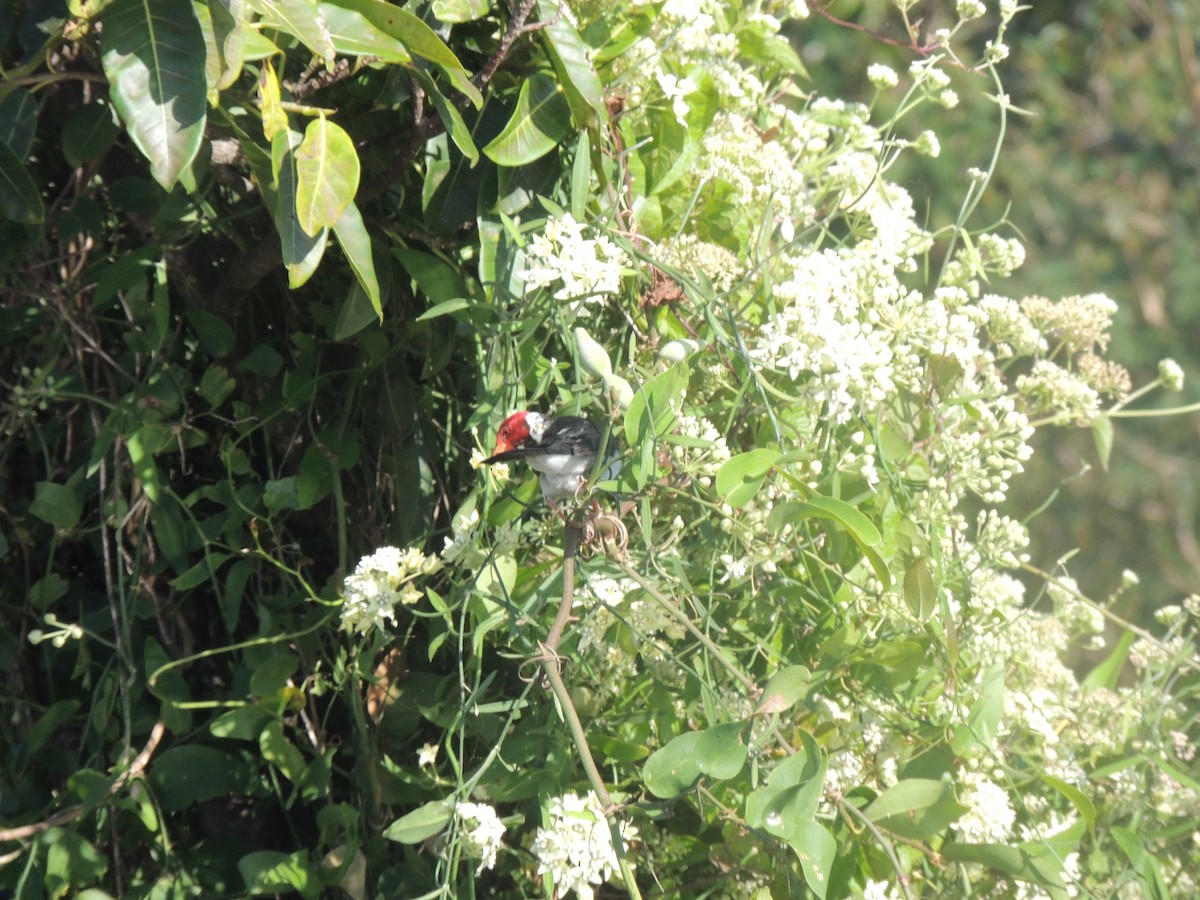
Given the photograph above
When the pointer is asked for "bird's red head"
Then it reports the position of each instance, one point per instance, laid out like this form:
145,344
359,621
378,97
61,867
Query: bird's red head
514,431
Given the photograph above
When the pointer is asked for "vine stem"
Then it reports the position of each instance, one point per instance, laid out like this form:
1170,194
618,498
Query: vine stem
553,668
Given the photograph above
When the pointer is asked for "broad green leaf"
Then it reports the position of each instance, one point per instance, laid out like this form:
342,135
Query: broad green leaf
192,773
1078,798
983,720
89,133
153,54
445,308
1016,862
422,823
542,119
816,849
354,35
418,37
327,171
784,690
56,504
273,674
271,872
244,723
456,11
456,126
280,752
270,100
920,592
1106,673
740,477
355,242
651,412
71,861
916,808
861,528
719,751
18,122
572,63
435,278
20,200
229,34
302,20
301,253
1102,434
763,46
796,782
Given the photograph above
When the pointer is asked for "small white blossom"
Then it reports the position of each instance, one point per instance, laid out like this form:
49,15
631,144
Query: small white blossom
586,270
1170,373
575,846
970,9
677,90
882,76
989,817
427,755
481,831
381,581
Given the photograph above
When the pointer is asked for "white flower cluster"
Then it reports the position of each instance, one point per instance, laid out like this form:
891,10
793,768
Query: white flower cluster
584,269
381,581
989,817
480,832
575,846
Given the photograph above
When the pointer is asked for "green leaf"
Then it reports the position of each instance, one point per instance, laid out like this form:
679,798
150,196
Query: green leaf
1107,673
740,477
355,242
434,277
571,59
280,752
816,849
300,18
719,751
244,723
542,119
418,37
192,773
143,445
89,133
651,412
71,862
354,35
229,37
920,592
795,785
456,126
271,872
301,253
422,823
1078,799
763,46
1016,862
456,11
327,171
983,720
20,199
18,122
56,504
153,54
445,308
784,690
916,808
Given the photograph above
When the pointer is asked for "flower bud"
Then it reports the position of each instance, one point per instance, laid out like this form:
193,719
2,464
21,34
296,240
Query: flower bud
592,356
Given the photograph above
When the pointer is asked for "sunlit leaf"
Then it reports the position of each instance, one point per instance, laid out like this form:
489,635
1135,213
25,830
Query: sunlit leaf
355,242
302,20
422,823
327,171
920,591
153,54
573,66
354,35
740,477
301,253
542,119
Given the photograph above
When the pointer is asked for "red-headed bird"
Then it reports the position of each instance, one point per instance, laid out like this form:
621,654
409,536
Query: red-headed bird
561,449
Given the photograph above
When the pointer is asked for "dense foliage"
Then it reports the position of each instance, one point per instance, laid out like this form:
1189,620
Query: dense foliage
275,271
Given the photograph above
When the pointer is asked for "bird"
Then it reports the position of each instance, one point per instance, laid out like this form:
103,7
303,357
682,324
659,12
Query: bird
561,449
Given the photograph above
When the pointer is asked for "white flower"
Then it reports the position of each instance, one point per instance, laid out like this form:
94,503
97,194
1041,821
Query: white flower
575,846
1170,373
989,816
381,581
676,90
970,9
882,76
427,755
481,831
588,270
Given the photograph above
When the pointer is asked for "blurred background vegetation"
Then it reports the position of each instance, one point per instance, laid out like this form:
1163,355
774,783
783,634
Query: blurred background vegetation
1102,181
